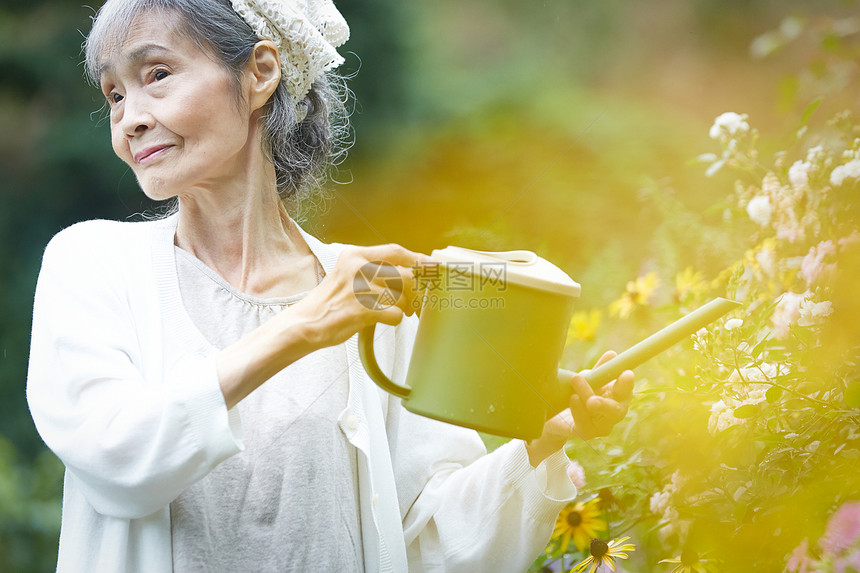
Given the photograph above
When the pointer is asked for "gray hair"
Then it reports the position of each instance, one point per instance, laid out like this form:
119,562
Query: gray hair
303,152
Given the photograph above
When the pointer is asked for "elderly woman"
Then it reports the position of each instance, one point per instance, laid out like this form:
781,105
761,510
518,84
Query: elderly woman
198,374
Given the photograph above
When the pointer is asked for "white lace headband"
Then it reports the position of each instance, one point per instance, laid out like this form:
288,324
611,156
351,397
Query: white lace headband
306,33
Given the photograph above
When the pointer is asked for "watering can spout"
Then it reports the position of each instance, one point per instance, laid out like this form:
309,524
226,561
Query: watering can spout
641,352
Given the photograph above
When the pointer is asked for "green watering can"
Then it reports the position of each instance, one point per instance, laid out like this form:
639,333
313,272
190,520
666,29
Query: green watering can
490,336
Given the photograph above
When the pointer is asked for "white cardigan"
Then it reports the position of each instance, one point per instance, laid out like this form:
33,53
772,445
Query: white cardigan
123,388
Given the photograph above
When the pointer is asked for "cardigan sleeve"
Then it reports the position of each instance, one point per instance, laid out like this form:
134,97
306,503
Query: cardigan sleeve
132,443
464,509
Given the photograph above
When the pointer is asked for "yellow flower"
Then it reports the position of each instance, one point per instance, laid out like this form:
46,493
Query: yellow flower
690,562
689,283
580,521
603,553
583,325
637,294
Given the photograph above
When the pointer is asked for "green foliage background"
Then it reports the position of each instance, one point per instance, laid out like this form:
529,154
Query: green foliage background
491,124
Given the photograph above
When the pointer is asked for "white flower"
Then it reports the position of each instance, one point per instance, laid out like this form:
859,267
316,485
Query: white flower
729,123
788,227
798,309
759,210
749,373
714,167
772,187
672,524
812,312
815,154
751,382
766,258
798,174
676,481
786,313
756,396
733,323
721,417
850,170
659,502
771,370
791,27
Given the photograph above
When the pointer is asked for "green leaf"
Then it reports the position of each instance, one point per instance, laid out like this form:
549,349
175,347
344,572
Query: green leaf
852,394
746,411
760,346
773,394
771,438
797,405
789,85
685,383
810,109
850,454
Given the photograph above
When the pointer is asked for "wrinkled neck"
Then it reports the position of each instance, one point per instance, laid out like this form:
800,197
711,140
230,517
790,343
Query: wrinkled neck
242,231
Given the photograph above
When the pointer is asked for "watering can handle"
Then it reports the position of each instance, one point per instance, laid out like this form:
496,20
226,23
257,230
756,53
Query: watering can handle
646,349
368,358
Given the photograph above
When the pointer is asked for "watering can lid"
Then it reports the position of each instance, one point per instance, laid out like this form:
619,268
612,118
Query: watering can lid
513,267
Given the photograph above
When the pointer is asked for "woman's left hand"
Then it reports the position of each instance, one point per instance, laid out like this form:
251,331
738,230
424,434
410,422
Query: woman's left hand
591,414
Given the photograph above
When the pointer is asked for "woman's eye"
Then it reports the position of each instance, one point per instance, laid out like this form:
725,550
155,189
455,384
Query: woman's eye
160,74
114,97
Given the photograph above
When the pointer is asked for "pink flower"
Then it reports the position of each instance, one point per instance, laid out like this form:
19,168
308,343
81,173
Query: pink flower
798,562
787,226
813,267
576,474
843,529
851,240
853,560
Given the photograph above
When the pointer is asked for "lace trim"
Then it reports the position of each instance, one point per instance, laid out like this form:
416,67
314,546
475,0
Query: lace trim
306,33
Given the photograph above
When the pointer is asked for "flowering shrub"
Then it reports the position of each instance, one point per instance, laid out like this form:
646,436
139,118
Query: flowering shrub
741,448
839,546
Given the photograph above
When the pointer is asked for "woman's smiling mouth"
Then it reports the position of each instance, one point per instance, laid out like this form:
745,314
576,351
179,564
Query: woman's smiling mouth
151,154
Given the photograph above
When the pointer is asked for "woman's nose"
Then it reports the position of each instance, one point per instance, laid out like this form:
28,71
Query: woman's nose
136,117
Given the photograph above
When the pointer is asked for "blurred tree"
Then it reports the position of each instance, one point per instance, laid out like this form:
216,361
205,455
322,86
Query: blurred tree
376,56
58,168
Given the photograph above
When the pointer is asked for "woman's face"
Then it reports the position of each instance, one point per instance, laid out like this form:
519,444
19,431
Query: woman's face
174,114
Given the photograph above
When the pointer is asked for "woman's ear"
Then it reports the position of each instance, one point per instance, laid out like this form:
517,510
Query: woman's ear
263,73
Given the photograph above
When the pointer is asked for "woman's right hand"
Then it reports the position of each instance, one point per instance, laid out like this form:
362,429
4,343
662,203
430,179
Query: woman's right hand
366,285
